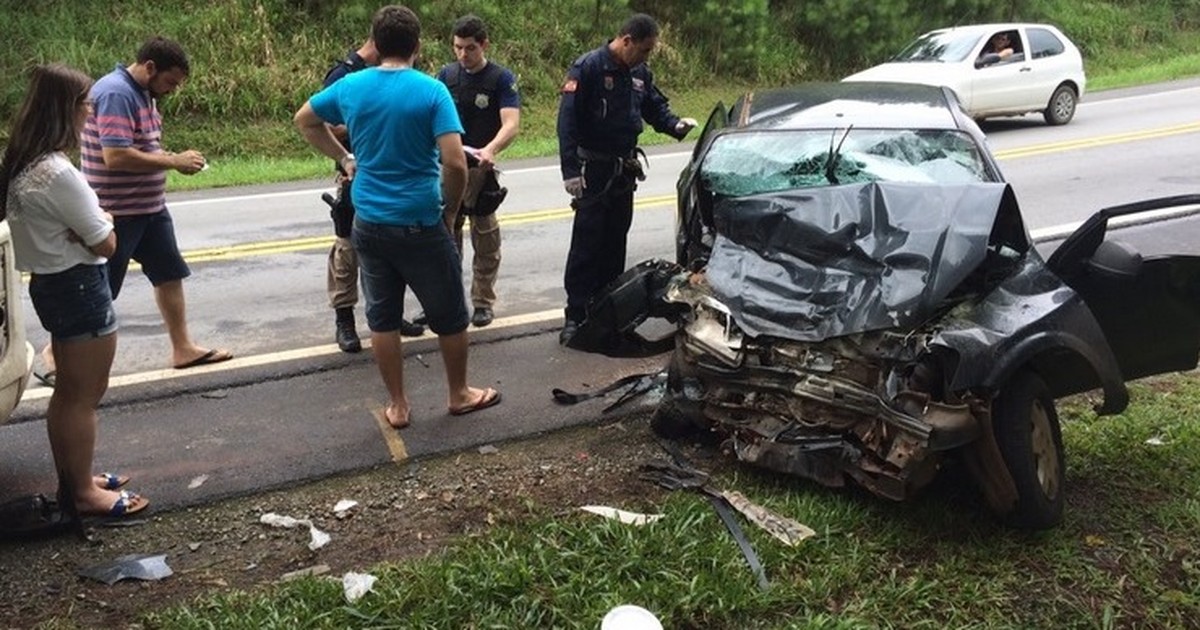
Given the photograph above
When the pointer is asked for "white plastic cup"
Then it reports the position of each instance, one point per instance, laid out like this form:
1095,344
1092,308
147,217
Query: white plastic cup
630,617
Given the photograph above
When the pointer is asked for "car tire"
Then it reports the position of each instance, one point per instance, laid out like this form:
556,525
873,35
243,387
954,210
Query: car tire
1026,427
1061,108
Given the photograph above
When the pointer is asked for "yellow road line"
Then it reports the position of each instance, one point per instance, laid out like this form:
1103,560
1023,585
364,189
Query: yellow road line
317,243
1098,141
391,437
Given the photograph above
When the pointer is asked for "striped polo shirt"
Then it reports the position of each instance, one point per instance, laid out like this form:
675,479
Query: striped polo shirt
123,115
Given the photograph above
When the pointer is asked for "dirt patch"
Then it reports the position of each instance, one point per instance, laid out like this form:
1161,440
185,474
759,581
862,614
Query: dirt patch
404,511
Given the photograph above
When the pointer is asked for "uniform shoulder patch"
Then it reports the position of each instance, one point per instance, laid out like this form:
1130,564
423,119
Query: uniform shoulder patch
570,86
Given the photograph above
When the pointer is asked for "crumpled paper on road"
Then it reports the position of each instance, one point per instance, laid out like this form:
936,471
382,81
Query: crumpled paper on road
319,538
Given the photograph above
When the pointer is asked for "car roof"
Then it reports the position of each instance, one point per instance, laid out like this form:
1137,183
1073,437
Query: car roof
842,104
992,27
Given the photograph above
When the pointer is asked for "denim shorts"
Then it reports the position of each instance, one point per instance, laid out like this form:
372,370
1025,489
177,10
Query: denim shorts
150,240
392,258
74,305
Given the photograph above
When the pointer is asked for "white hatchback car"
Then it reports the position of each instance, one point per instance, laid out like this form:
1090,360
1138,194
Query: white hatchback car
1040,70
16,354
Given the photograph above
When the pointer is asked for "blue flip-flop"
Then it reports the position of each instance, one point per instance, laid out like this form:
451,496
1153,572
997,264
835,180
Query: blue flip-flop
127,504
111,481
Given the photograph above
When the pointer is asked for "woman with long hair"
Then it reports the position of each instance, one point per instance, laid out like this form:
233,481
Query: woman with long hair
61,237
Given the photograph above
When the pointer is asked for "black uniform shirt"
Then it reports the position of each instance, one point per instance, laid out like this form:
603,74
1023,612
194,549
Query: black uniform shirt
353,63
602,107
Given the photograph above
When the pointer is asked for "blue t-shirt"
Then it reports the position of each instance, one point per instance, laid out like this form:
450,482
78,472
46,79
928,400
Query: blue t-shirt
395,116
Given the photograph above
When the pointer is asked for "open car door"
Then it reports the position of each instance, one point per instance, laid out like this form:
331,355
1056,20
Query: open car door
1147,305
695,204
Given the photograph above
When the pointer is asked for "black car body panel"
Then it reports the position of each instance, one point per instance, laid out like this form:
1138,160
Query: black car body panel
810,265
1146,302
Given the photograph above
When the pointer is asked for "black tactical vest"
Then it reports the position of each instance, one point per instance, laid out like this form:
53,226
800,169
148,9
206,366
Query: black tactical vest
477,98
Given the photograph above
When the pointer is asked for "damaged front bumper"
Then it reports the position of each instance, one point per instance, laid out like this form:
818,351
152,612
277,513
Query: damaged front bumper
859,406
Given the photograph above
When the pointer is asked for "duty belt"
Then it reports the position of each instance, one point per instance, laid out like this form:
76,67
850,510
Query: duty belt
629,167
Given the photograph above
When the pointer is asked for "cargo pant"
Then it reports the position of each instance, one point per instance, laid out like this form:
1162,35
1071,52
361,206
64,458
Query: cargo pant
341,277
485,241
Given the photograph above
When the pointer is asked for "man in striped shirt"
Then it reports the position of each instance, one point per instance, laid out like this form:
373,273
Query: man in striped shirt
123,160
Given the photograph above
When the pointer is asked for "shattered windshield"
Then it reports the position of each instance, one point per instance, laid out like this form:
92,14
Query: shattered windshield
943,47
752,163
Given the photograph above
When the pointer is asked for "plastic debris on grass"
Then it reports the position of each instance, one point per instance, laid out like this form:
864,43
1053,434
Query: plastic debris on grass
342,508
629,518
784,529
319,538
147,567
355,585
630,617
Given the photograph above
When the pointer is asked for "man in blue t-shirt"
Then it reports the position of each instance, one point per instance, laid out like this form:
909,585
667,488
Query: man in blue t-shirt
403,124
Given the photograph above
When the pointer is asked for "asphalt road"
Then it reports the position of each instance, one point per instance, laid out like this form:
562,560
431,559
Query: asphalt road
291,407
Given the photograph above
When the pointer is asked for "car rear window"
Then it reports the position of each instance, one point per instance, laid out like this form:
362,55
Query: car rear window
749,163
1043,43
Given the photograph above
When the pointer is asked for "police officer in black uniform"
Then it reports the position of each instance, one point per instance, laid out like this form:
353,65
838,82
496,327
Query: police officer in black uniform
342,274
607,94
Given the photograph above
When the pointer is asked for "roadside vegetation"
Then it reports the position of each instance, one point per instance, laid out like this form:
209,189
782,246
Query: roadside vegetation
1127,554
256,61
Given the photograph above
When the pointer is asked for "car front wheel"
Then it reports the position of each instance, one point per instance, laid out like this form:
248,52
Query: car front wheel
1061,108
1027,432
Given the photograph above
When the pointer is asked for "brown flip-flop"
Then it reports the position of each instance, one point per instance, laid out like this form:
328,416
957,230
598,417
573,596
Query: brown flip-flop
489,398
212,356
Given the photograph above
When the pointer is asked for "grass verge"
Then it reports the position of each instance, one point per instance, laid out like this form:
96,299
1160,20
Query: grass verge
1127,555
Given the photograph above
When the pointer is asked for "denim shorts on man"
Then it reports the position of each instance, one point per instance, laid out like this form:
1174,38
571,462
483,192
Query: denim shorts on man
392,258
150,240
75,304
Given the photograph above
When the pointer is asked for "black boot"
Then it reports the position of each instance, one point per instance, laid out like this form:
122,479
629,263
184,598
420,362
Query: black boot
570,328
482,317
345,334
411,329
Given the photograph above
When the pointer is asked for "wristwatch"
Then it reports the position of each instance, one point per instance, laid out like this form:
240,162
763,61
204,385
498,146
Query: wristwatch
346,158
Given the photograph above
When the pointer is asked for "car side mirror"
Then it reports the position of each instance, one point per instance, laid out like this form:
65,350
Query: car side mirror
1114,259
987,59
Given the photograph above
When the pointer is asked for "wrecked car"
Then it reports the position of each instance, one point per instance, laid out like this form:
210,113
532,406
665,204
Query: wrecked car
857,299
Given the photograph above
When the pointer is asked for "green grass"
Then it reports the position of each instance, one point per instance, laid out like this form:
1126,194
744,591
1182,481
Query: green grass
1154,71
1127,554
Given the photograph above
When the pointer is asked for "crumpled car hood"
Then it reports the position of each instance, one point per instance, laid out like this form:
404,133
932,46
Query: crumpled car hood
814,264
